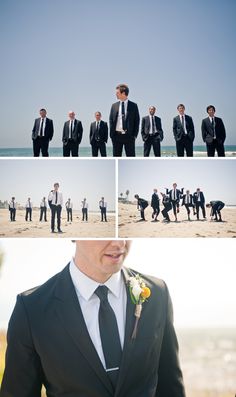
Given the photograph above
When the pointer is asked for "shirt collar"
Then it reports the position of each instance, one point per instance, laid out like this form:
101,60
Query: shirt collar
125,102
85,286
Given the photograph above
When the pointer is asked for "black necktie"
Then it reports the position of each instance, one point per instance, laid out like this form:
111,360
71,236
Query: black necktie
109,334
56,198
71,129
182,121
41,128
123,116
153,125
97,130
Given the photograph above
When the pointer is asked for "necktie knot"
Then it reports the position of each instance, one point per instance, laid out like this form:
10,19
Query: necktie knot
102,293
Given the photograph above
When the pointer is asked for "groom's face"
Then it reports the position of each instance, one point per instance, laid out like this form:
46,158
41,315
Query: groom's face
100,259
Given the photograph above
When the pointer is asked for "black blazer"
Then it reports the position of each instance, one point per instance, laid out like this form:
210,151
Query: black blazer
132,119
178,193
102,132
202,198
48,343
48,131
178,128
146,127
155,200
77,132
208,132
190,199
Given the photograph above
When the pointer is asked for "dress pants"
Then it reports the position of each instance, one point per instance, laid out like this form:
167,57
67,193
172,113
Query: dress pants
43,214
28,214
152,141
103,214
85,214
71,148
166,209
185,144
12,214
175,205
69,214
123,140
215,146
99,146
40,144
202,206
55,211
156,211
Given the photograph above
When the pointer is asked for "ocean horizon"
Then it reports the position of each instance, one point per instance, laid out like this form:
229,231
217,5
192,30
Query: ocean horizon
85,151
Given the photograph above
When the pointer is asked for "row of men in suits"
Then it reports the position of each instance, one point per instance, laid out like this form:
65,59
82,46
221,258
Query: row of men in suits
124,123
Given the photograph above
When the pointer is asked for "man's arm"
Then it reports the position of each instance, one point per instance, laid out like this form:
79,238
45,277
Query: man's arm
204,131
136,121
51,130
143,129
222,130
80,132
105,132
23,375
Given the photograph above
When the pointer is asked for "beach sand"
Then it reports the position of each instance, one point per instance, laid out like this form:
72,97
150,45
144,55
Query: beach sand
94,228
129,226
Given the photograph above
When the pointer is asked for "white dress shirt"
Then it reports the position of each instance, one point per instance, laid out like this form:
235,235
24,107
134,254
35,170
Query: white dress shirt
44,124
84,204
119,125
52,198
12,204
43,203
102,204
89,303
69,204
174,194
28,204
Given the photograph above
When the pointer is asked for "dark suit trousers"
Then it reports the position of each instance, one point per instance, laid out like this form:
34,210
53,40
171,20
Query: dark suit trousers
216,210
185,144
28,214
12,214
43,214
188,206
175,206
55,211
103,214
215,146
85,214
40,144
154,142
156,211
123,140
71,148
69,214
202,206
165,211
99,146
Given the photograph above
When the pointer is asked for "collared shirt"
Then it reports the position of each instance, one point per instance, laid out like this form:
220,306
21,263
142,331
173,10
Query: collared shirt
84,204
28,204
44,125
119,125
198,196
43,203
69,204
187,198
155,128
174,194
102,204
52,198
12,204
89,302
72,123
184,123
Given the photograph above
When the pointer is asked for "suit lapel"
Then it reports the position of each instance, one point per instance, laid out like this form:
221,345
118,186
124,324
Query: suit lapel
71,317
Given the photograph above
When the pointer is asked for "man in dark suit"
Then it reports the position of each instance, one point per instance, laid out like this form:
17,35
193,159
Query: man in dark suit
167,207
213,133
72,136
187,201
103,208
155,204
12,209
141,206
75,333
28,210
55,200
199,202
175,196
216,206
43,210
152,133
183,129
98,136
124,123
42,133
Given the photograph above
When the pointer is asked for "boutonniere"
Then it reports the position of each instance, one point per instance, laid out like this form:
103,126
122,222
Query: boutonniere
139,293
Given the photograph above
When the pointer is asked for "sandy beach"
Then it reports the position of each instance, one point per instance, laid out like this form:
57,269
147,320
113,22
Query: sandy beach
129,225
94,228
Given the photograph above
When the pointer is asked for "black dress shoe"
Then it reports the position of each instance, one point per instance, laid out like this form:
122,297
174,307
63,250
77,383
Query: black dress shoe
60,231
53,231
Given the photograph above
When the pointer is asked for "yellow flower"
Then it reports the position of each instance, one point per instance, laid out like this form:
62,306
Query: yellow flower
146,292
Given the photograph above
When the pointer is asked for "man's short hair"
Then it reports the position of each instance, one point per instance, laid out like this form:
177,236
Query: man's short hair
210,107
123,88
43,110
181,104
98,113
56,184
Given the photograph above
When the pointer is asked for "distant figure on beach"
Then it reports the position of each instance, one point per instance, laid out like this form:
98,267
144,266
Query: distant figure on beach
72,136
141,205
216,207
103,208
152,133
175,196
42,133
184,134
98,136
155,204
124,123
187,201
84,205
213,133
55,200
167,206
28,210
69,206
43,210
12,209
199,202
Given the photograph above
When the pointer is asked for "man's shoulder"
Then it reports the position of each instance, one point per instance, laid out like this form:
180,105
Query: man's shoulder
150,281
132,104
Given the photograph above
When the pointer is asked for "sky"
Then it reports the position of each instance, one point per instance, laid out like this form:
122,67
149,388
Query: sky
200,278
216,178
70,55
90,179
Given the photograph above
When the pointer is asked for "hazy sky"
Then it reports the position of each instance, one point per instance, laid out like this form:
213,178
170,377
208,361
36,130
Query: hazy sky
200,278
65,55
78,179
214,177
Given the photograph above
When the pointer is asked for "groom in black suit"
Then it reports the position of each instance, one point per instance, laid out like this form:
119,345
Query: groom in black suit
124,123
75,333
183,129
72,136
42,133
98,136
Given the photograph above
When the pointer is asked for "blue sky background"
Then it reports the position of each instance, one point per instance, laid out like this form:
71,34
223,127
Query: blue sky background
71,54
214,177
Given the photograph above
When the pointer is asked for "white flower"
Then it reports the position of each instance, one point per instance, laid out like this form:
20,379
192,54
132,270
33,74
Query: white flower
136,290
133,281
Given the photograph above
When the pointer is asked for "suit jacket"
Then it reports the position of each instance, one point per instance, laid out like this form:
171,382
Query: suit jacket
76,134
208,132
48,343
146,127
178,193
48,131
132,119
195,197
102,132
190,199
178,128
155,200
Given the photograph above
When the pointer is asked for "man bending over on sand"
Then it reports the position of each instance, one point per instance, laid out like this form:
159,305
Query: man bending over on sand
216,207
141,205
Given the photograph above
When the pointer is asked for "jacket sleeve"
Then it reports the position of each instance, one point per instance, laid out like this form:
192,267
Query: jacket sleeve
143,129
23,375
137,121
204,131
192,128
174,127
51,130
34,130
90,133
105,132
223,133
80,132
64,133
170,379
161,131
111,123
